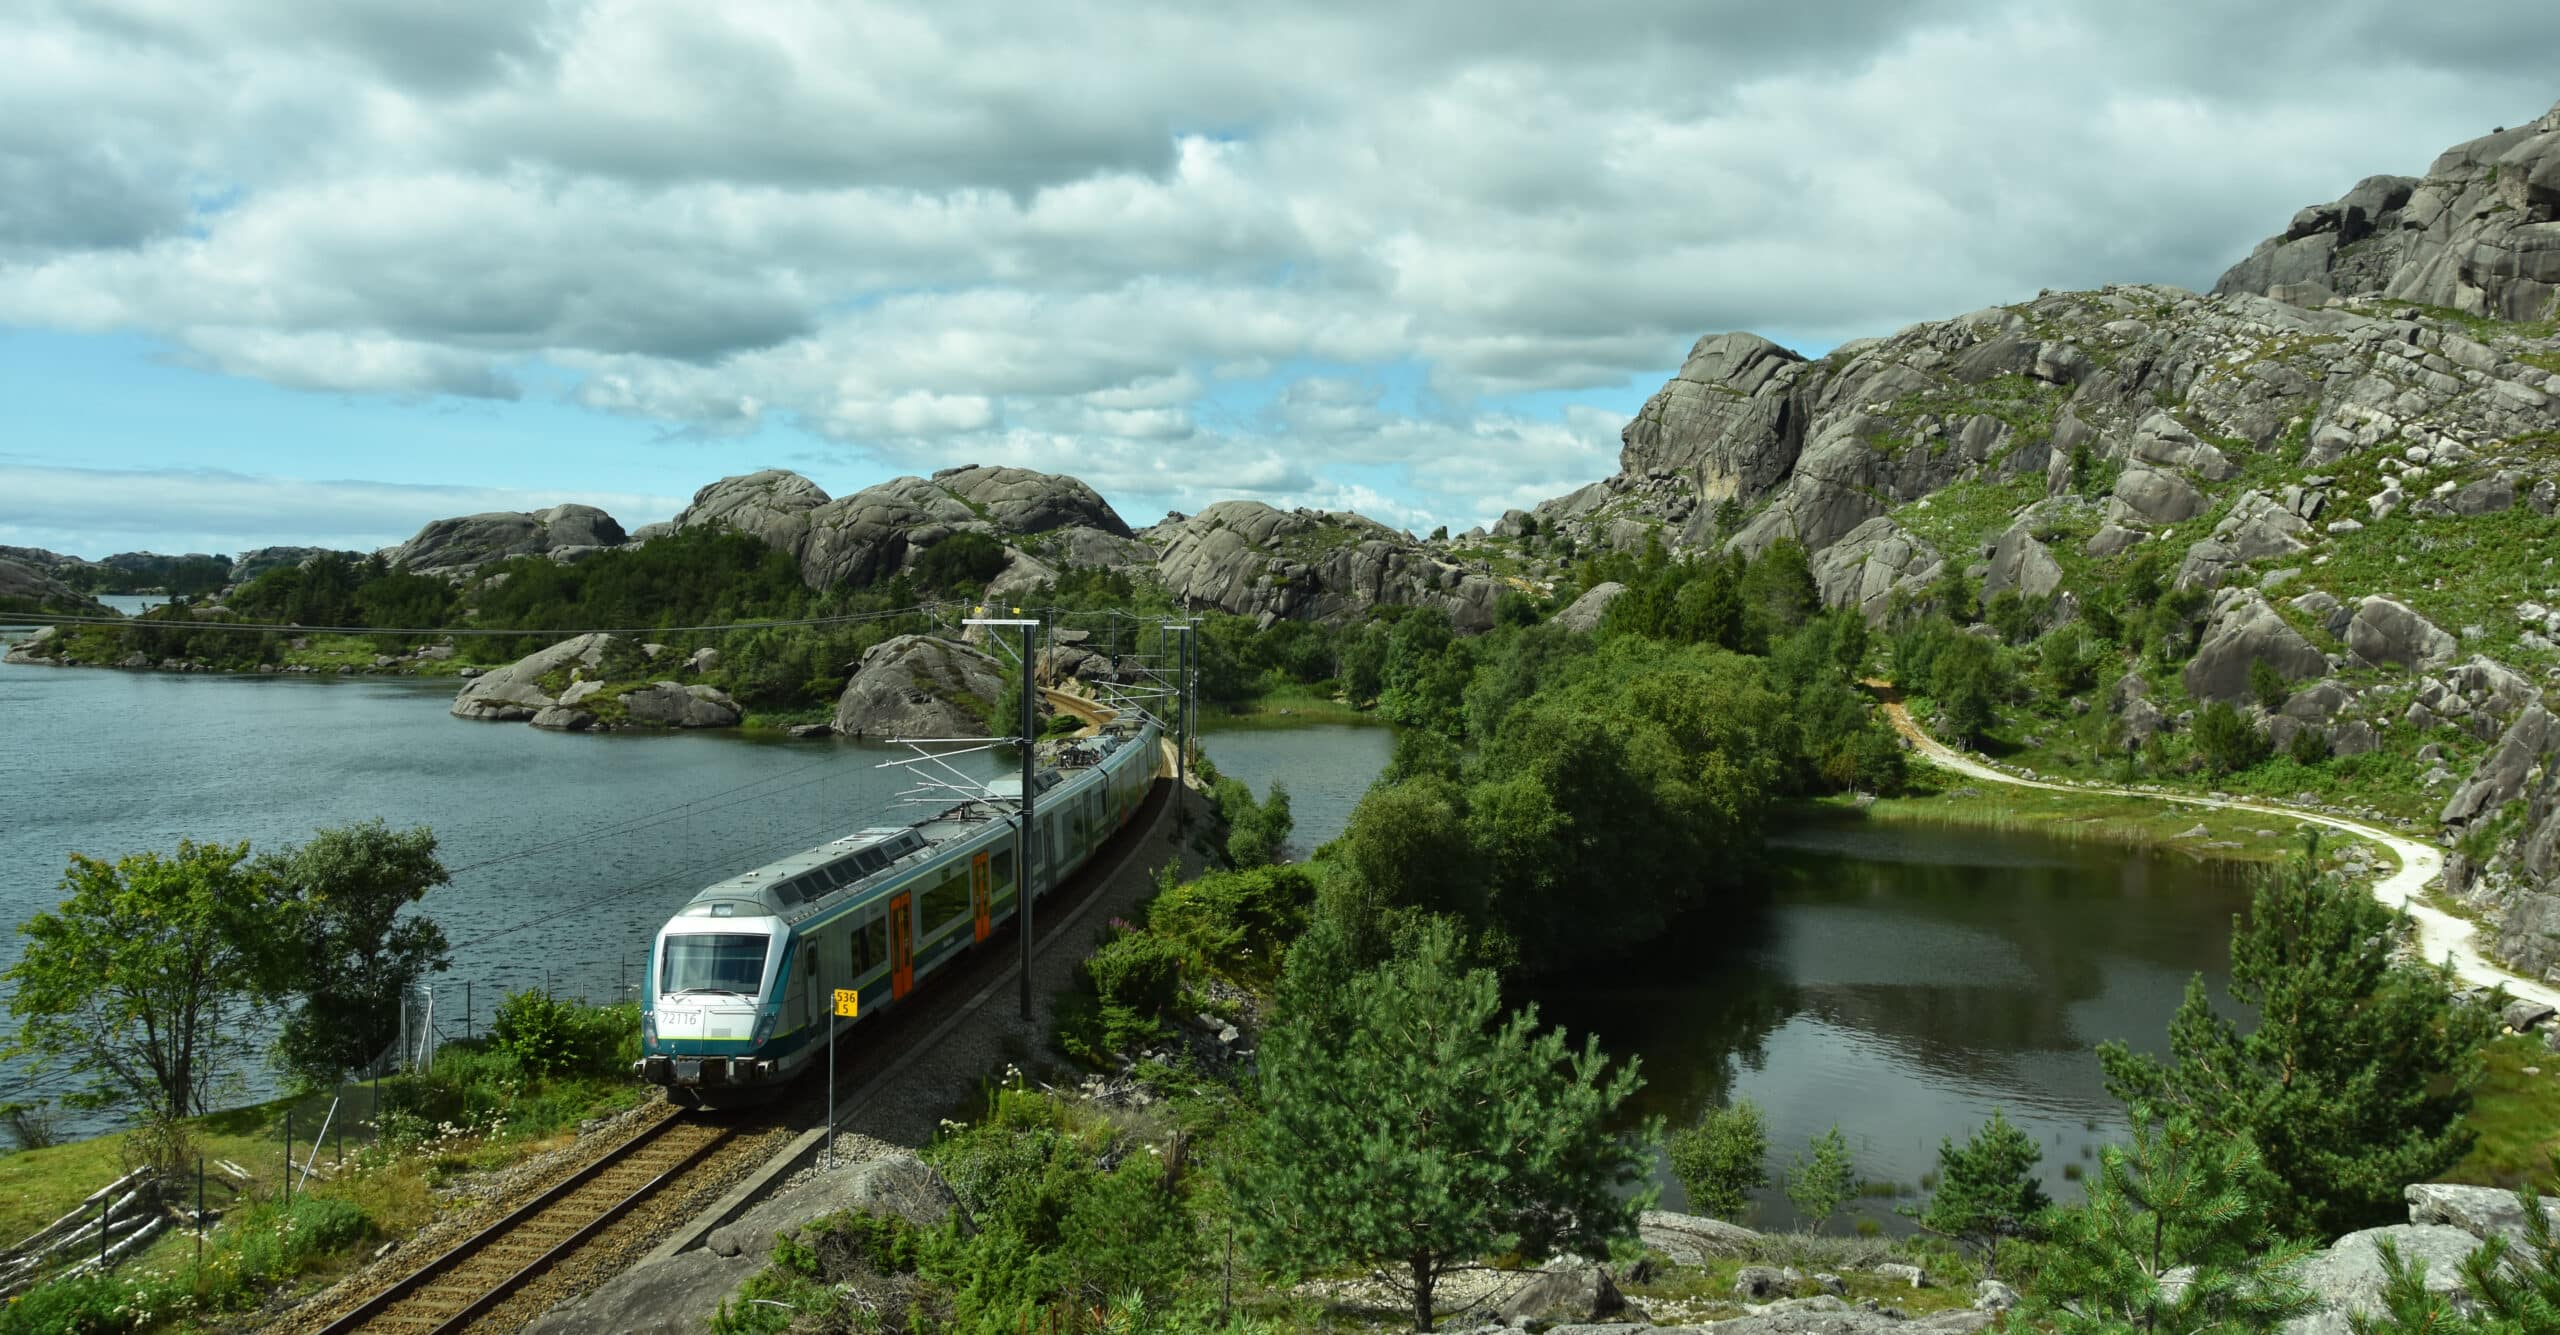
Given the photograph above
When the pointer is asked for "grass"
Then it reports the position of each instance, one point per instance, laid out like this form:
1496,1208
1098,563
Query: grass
1962,517
1964,803
1680,1294
1286,707
2517,1115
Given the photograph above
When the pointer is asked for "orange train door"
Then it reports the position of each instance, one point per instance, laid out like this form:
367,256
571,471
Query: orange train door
978,894
902,947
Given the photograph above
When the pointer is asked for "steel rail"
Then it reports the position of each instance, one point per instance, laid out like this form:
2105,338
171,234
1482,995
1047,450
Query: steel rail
484,1241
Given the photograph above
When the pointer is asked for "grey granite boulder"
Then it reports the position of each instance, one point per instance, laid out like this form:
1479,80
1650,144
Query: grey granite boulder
1583,614
1565,1292
2244,631
2348,1277
1868,564
920,686
2154,496
1689,1239
2474,234
516,692
772,506
668,704
2527,746
2023,563
2386,631
560,719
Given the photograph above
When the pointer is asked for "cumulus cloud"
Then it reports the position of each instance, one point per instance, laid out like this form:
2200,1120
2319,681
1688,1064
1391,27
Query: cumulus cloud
1059,234
92,512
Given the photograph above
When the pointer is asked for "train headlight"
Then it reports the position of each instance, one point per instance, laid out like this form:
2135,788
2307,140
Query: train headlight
648,1028
765,1022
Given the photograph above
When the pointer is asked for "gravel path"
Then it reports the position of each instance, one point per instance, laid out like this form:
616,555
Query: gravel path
2441,936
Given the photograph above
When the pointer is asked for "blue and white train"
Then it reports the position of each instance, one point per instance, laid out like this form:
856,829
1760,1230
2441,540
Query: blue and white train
738,999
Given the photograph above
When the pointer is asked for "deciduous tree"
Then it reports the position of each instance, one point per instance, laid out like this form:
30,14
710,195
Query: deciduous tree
1722,1159
126,984
1817,1186
344,951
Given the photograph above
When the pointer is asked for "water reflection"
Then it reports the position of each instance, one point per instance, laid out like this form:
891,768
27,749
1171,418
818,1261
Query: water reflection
1904,982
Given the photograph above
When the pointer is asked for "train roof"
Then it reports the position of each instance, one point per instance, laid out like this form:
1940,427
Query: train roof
783,887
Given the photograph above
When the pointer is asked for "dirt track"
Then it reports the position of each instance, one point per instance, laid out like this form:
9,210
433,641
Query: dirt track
2441,936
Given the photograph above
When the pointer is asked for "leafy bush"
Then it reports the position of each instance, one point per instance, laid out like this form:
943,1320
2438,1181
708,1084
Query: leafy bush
1817,1186
1235,921
549,1036
1722,1159
1136,976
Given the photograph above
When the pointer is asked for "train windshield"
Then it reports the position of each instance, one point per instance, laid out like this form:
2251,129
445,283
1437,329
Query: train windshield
712,962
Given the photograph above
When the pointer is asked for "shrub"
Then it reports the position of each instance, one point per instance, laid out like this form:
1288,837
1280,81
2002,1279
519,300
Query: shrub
1817,1186
2310,746
1136,976
2268,685
1722,1159
549,1036
2228,742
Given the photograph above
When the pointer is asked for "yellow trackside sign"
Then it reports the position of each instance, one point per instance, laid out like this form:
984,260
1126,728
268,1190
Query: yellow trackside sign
848,1001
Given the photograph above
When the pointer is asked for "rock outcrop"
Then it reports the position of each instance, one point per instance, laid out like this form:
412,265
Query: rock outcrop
920,686
668,704
1583,614
521,689
2474,234
27,588
1046,518
1247,558
470,541
251,564
2385,631
2245,631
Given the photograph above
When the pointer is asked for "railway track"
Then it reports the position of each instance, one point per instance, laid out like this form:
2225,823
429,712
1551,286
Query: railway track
474,1277
466,1280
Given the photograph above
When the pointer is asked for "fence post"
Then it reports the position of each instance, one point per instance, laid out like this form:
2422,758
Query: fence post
106,1207
466,1008
288,1156
199,1212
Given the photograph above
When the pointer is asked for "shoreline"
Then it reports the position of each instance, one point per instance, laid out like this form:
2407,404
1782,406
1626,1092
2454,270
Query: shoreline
2442,938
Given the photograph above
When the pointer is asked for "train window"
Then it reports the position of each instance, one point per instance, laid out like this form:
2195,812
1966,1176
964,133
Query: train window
1000,872
947,901
713,962
869,945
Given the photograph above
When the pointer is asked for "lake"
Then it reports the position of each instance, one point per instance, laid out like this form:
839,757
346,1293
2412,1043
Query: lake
1900,982
567,851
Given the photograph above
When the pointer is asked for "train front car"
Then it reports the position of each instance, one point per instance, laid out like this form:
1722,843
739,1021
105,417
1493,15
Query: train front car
710,1009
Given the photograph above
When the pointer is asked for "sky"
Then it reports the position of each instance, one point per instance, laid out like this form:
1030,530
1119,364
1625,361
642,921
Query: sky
319,273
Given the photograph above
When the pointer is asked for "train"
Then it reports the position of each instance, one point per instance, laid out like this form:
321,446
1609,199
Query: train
739,999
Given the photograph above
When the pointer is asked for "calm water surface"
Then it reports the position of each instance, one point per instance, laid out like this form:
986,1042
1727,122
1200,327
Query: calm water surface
1903,982
567,851
1900,982
1326,768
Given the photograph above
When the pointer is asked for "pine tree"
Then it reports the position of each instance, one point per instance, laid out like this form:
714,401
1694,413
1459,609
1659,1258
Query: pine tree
2355,1079
2177,1199
1987,1189
1816,1187
1723,1159
1410,1127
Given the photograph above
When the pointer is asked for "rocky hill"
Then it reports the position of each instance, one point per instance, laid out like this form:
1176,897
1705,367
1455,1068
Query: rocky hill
562,532
29,588
1044,520
2346,462
1250,559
